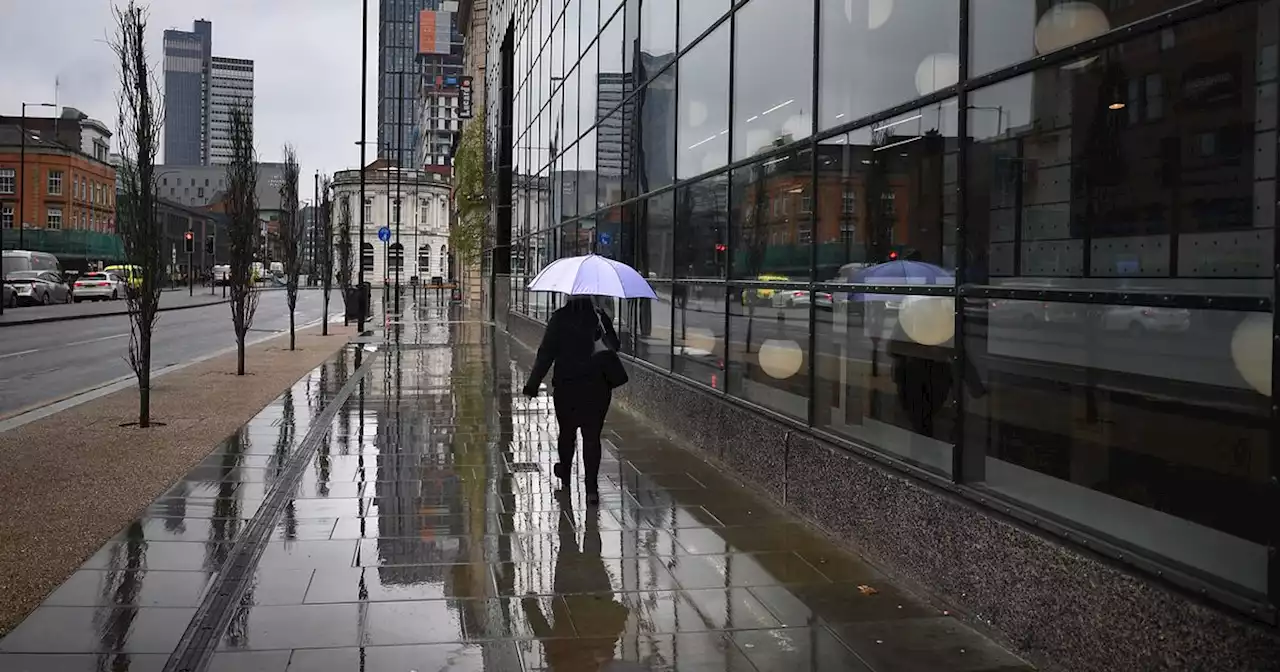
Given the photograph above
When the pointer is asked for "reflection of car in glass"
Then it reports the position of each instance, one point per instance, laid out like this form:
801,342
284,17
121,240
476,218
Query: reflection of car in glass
797,298
1141,319
99,287
762,294
39,287
1031,313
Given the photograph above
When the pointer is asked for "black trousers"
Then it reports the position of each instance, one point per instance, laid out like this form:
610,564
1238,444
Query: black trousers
582,407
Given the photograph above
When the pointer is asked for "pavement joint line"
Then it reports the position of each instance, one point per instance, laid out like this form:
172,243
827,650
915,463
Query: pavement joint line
45,409
195,649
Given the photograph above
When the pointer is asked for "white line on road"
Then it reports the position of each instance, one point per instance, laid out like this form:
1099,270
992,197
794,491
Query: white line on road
18,354
92,340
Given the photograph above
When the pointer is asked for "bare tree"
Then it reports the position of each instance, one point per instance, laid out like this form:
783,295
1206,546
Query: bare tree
344,252
326,249
292,234
242,209
139,123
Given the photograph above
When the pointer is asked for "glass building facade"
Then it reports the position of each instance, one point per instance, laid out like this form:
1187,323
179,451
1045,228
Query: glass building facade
1023,249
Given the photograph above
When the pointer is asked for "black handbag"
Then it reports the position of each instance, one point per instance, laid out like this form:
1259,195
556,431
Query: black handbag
608,361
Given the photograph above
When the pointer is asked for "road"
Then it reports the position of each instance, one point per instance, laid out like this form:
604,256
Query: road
42,363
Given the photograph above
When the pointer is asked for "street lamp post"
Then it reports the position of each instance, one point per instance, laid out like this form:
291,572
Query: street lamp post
22,167
364,111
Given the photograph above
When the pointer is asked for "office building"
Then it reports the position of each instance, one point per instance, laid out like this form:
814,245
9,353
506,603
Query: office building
231,86
200,90
398,72
413,205
440,88
997,309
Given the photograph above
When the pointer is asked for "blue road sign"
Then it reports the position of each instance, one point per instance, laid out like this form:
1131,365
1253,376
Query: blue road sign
384,234
604,238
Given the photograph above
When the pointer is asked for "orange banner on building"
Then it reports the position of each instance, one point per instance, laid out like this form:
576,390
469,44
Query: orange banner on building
426,31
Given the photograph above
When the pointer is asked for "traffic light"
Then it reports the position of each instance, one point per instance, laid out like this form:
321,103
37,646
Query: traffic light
188,241
208,244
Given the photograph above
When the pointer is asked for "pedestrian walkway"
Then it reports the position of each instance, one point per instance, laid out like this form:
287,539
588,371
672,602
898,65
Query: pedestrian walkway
395,510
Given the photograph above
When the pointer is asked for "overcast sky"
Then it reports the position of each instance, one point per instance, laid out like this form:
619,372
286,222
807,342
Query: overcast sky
306,65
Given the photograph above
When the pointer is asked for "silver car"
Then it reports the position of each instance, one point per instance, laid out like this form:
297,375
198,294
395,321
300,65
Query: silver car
39,287
99,287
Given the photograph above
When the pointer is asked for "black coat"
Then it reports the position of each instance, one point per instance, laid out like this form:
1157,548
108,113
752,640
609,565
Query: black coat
569,342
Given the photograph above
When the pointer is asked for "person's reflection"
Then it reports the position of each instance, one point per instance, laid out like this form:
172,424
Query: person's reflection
584,590
924,377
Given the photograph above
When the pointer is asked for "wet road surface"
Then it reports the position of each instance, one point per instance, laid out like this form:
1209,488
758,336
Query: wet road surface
41,363
395,510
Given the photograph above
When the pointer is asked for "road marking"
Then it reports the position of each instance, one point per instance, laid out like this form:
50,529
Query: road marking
92,340
18,354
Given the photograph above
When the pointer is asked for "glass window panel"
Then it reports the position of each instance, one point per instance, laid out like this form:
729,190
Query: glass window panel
703,130
698,333
1005,32
587,196
569,184
613,85
608,241
588,98
769,350
607,8
610,142
698,15
650,325
657,27
572,124
876,54
702,216
588,28
656,112
1102,413
1069,191
572,38
656,243
884,373
887,192
631,38
772,220
773,100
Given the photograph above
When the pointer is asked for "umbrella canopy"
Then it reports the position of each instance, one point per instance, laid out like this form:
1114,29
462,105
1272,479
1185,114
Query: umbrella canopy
592,275
901,272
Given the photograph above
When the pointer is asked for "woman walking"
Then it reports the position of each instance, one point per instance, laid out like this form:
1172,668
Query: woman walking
580,389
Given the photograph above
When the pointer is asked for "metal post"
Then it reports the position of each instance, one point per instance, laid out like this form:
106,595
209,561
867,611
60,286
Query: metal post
312,278
22,176
191,275
364,103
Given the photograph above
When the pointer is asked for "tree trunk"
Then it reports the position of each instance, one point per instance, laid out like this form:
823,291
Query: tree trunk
293,339
144,381
240,356
324,321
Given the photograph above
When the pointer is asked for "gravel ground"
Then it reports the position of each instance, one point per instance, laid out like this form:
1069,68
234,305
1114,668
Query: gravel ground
70,481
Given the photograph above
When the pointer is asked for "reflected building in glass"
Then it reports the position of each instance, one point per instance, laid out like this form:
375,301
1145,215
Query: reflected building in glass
1031,266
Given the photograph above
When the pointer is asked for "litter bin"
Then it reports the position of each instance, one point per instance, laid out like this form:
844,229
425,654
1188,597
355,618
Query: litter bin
357,301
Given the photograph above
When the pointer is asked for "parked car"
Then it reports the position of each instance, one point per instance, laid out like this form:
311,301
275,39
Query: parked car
1142,319
26,260
99,287
8,295
221,274
129,274
39,287
799,298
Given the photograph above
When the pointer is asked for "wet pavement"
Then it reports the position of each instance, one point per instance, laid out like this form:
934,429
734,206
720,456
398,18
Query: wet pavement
395,510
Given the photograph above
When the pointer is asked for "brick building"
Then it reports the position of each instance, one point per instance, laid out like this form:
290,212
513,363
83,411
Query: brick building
66,187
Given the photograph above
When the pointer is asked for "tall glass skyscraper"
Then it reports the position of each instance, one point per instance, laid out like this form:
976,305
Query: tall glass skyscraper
199,92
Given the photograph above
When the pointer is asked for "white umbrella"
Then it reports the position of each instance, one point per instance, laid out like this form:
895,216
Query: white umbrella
592,275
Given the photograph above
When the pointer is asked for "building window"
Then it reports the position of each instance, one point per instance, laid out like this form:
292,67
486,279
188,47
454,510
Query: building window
200,191
54,220
7,178
6,216
55,183
368,209
849,203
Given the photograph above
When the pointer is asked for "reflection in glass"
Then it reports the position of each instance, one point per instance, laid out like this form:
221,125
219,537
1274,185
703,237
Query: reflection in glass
874,54
698,15
769,347
887,192
1087,178
702,136
657,27
650,325
772,99
1092,405
588,25
698,333
702,211
656,244
656,130
772,219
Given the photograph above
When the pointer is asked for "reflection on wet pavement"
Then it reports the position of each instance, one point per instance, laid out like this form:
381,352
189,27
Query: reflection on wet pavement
419,529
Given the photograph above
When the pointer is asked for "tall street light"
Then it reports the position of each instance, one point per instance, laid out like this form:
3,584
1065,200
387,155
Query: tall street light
22,169
364,111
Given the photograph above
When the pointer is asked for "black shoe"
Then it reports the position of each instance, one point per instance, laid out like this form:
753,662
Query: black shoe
561,473
593,497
